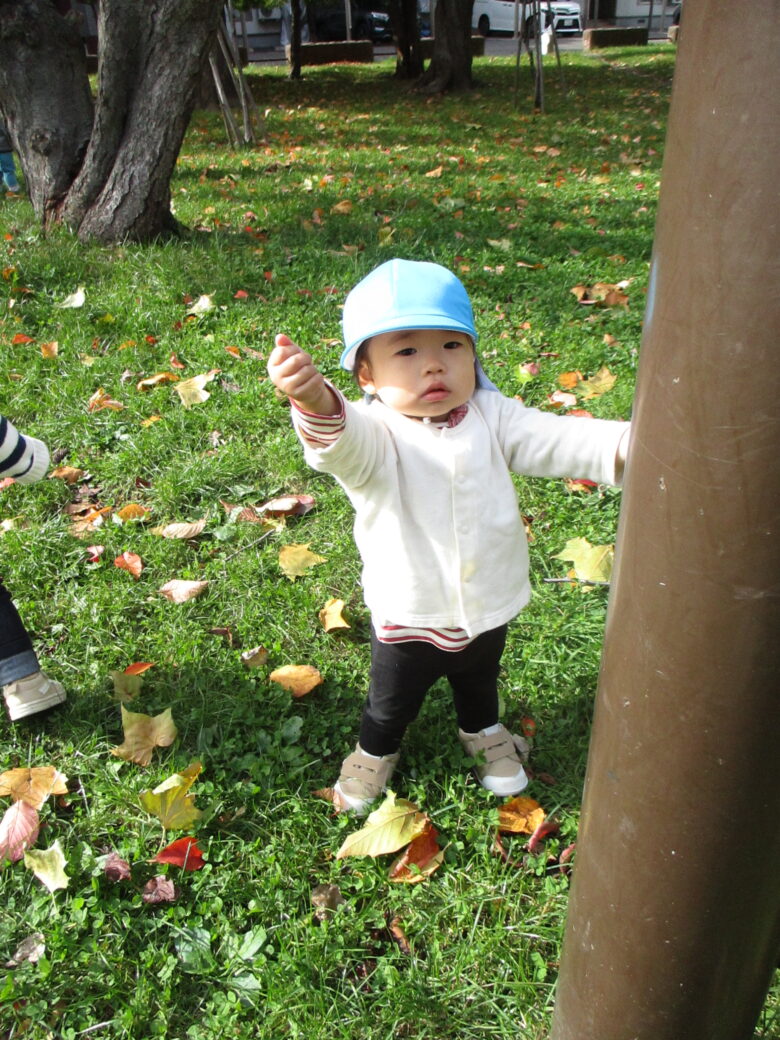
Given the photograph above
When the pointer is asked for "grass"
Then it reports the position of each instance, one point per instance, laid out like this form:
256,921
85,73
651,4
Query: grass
477,183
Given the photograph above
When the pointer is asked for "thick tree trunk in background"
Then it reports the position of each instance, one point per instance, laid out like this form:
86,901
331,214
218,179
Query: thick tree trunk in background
406,32
111,183
45,98
450,67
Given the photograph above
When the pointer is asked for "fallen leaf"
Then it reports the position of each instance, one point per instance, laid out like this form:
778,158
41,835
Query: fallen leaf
95,552
128,683
398,934
583,485
435,173
179,591
132,511
591,562
542,831
18,831
521,815
20,339
331,615
202,305
420,859
115,868
568,380
100,399
299,679
32,785
343,207
562,399
171,801
295,560
159,889
597,384
392,825
76,299
181,530
254,658
129,561
288,505
330,794
143,733
183,852
326,899
29,950
191,390
157,380
48,865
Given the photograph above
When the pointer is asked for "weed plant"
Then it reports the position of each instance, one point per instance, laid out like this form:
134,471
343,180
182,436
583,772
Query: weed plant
352,169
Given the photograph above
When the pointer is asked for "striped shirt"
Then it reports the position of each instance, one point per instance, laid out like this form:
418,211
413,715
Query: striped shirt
322,430
23,458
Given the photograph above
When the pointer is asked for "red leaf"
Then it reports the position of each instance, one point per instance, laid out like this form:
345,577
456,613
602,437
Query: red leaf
20,338
183,852
544,829
129,562
242,294
138,667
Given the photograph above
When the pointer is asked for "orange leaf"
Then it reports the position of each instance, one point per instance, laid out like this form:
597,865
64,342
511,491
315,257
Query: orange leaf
156,380
419,859
299,679
138,667
100,399
521,815
70,474
32,785
183,852
568,380
132,511
130,562
50,350
20,338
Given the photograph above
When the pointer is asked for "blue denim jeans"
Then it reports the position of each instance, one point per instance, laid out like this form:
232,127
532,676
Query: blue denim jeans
8,170
17,657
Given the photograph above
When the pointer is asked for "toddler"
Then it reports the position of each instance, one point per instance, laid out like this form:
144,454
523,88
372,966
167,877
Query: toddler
426,459
25,687
7,167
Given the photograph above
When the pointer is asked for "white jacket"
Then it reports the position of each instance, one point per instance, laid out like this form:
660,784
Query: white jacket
437,522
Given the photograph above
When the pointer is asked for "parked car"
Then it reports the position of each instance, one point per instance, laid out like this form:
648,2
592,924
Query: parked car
499,16
330,23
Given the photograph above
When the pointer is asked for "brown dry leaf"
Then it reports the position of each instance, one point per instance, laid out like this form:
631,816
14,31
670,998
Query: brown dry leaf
330,794
179,591
29,950
32,785
143,733
159,889
288,505
343,207
420,859
255,658
100,399
191,391
295,560
181,530
568,380
299,679
435,173
597,384
331,615
131,562
521,815
115,868
70,474
326,899
157,380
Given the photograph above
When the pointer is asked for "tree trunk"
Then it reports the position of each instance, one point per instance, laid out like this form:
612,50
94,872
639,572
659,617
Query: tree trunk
406,32
450,67
108,178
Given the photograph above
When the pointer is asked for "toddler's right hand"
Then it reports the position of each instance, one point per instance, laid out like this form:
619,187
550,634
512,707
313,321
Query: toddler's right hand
293,372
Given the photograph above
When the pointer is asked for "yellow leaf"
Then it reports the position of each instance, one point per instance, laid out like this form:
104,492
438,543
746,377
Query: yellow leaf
156,380
295,560
520,816
132,511
437,172
299,679
591,562
34,785
597,384
179,591
191,390
202,305
143,733
391,826
75,299
48,865
331,615
171,801
255,658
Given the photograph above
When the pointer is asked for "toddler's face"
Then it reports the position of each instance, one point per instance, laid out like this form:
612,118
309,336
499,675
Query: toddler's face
424,373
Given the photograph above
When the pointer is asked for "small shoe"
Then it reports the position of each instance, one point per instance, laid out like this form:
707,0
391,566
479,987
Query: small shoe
498,768
32,694
363,778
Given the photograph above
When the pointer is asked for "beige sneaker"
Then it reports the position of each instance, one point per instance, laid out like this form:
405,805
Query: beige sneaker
499,768
363,778
32,694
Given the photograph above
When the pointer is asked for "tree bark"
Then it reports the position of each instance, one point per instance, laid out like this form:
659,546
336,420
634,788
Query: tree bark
406,32
450,67
107,169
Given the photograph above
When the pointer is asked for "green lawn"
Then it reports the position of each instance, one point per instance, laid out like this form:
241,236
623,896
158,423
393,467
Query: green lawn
352,169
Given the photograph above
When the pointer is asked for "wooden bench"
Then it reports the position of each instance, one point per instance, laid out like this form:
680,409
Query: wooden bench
477,47
327,53
614,36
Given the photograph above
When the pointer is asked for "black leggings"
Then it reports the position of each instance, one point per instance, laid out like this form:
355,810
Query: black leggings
17,657
402,674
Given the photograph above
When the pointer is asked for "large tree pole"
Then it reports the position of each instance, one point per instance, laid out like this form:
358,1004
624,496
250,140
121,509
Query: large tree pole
674,920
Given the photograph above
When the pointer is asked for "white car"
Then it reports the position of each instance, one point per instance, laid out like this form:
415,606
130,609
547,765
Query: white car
499,16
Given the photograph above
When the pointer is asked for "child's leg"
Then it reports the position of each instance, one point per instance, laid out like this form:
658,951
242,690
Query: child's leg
17,657
473,675
8,171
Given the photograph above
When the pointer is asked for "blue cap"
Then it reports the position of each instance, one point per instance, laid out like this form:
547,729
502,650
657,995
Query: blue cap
404,294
